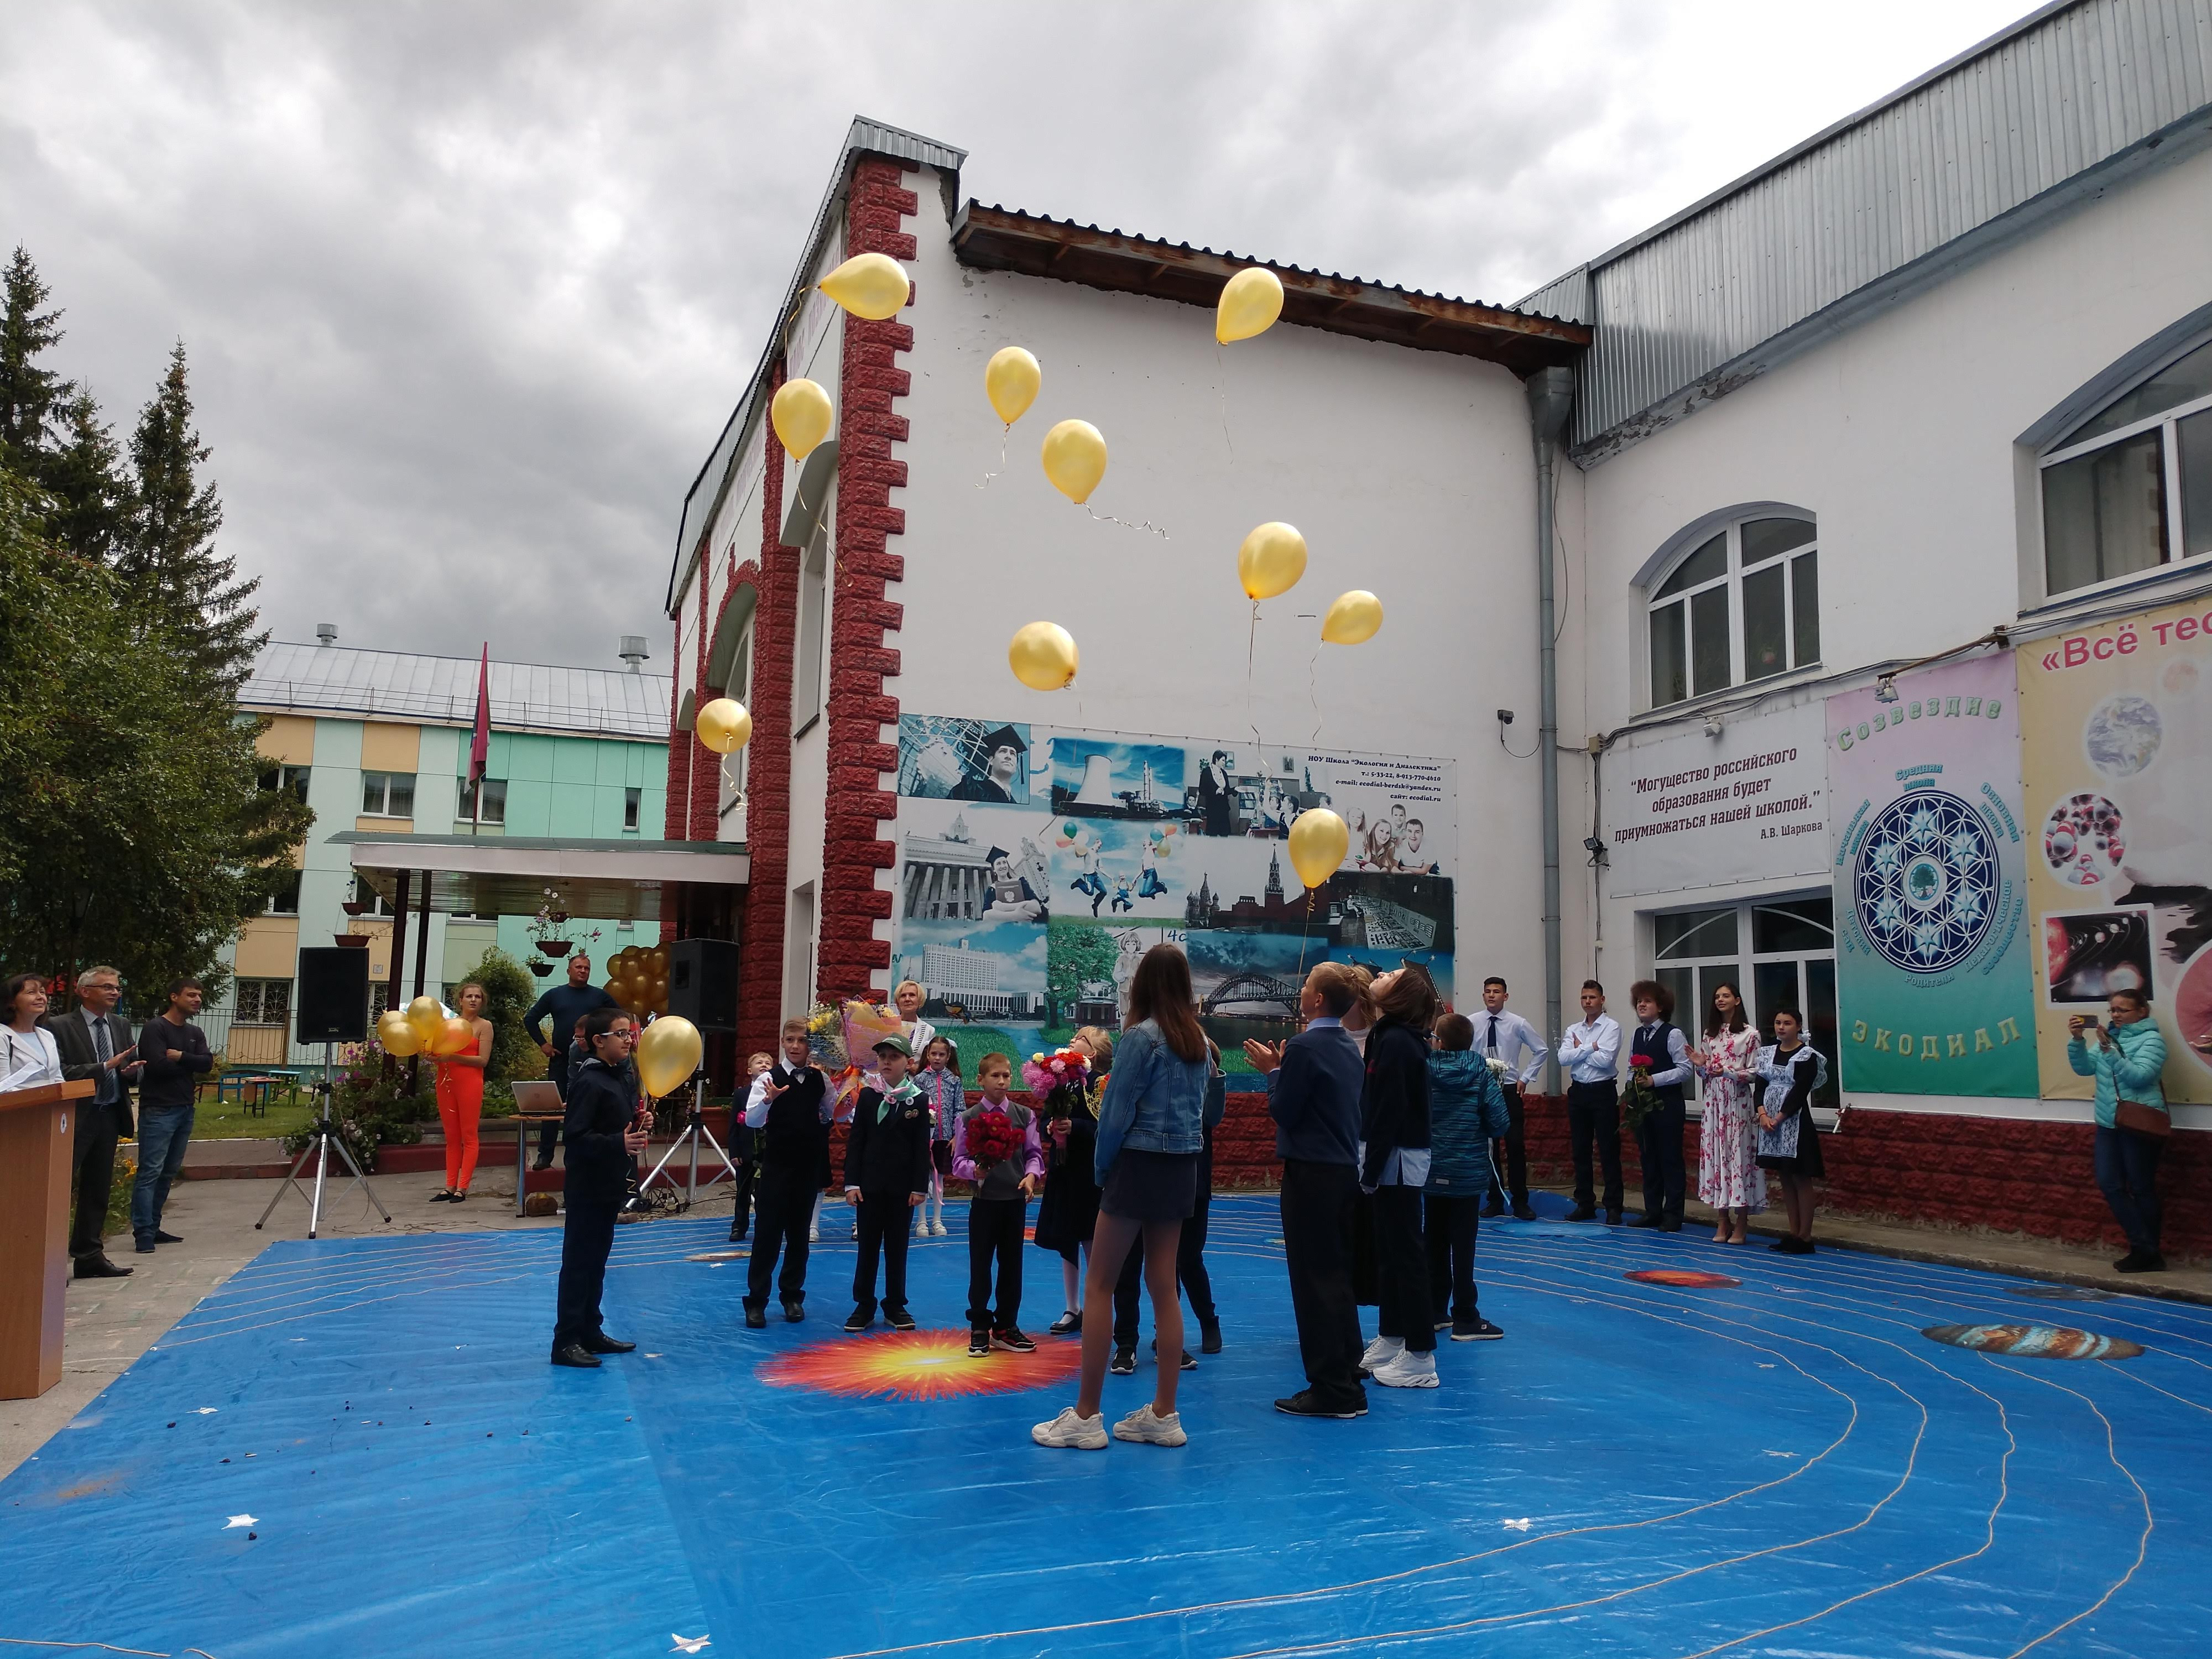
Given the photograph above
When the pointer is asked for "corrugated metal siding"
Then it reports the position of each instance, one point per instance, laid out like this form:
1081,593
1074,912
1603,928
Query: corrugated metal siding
1564,297
344,682
2062,94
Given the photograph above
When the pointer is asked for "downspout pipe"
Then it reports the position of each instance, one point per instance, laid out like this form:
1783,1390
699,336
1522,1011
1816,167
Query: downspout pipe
1551,398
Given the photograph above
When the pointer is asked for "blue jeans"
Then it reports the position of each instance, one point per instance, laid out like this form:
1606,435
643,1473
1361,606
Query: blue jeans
2127,1174
163,1134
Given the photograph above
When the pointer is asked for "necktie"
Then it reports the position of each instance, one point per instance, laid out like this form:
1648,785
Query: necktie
105,1049
1494,1034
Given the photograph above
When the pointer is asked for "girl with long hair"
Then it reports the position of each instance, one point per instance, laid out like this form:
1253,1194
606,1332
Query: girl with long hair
460,1095
1393,1132
1068,1212
1149,1135
1729,1177
1790,1069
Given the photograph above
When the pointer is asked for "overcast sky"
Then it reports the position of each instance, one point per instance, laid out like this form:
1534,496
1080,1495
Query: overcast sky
470,289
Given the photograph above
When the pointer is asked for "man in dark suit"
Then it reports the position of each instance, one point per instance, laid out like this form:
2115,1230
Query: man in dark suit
603,1131
1313,1095
96,1042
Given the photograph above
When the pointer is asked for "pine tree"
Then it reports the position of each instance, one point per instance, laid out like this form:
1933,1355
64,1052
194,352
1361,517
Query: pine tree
28,393
170,558
92,514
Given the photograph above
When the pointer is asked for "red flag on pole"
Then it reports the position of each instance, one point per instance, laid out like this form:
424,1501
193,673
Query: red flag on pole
480,744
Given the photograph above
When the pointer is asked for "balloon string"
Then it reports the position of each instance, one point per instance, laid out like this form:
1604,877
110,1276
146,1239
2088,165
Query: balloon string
1003,434
1313,690
736,787
1251,642
1221,385
1147,527
1303,931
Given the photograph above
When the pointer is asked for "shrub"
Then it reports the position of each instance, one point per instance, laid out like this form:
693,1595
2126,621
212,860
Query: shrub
370,1109
508,992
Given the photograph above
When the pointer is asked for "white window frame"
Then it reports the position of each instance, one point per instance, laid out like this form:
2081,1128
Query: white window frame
494,802
731,787
810,667
237,999
1746,961
384,795
1731,577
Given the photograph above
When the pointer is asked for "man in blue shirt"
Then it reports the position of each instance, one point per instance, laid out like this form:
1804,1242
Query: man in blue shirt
565,1004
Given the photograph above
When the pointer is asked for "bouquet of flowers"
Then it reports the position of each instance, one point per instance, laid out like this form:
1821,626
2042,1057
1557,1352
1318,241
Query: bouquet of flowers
1057,1079
1639,1100
843,1038
1498,1067
992,1138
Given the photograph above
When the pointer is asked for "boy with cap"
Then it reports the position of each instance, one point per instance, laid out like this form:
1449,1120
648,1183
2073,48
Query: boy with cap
887,1166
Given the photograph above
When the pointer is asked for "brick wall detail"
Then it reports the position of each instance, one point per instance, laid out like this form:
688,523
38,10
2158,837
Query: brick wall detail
774,577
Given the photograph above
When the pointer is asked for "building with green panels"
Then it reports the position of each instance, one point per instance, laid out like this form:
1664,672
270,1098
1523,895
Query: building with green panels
379,741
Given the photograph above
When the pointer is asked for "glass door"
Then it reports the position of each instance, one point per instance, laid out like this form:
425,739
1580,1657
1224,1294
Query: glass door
1792,960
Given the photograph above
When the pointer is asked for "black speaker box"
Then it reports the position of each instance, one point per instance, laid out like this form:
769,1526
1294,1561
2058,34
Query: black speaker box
332,1003
702,982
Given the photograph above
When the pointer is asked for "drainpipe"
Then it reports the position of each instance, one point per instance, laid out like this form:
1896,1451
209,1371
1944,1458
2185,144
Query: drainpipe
1551,396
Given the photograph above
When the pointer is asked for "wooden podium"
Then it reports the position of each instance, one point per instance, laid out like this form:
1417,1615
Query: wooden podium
37,1132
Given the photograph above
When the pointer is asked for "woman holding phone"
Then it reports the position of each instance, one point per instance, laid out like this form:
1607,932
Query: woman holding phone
2125,1057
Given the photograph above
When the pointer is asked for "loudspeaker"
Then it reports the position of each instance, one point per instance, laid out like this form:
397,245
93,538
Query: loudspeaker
333,995
702,982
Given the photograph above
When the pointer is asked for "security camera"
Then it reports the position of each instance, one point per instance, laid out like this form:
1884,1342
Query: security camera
1505,717
1594,846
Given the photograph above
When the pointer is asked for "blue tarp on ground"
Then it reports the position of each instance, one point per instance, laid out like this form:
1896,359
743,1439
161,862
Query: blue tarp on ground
1783,1467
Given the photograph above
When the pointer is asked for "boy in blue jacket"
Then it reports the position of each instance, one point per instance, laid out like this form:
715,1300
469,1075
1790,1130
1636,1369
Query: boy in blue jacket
1467,1112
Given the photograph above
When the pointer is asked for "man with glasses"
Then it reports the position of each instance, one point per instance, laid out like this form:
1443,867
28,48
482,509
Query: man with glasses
605,1128
96,1042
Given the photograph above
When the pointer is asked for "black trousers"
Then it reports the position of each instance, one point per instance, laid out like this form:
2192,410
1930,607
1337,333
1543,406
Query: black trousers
1316,1210
93,1177
1401,1264
1593,1115
748,1172
548,1132
1659,1144
885,1222
1515,1173
1190,1264
1449,1223
994,1229
784,1209
587,1233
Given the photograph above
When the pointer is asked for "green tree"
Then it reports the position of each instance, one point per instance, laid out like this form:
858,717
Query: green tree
29,392
94,506
509,992
1075,953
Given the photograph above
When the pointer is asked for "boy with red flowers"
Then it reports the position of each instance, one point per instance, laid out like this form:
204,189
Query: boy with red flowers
996,1145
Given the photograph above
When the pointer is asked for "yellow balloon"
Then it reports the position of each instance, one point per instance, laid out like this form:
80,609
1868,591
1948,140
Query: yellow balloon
455,1036
1075,459
397,1036
1042,656
1353,619
426,1014
1248,305
1319,841
668,1053
800,413
1271,561
1011,382
871,285
723,726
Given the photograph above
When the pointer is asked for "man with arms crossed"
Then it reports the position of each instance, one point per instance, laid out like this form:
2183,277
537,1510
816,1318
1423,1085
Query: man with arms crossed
568,1004
1504,1035
174,1052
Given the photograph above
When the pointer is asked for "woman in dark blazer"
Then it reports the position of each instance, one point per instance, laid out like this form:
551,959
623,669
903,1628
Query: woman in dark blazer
1393,1133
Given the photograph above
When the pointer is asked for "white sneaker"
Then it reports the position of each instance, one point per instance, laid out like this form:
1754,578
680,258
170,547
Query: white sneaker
937,1230
1141,1425
1408,1370
1068,1430
1381,1352
814,1235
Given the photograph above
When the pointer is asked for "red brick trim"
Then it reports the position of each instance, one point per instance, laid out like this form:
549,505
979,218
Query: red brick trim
851,956
706,765
674,817
774,577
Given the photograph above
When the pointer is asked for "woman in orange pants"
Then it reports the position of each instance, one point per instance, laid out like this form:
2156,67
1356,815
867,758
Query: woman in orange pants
460,1096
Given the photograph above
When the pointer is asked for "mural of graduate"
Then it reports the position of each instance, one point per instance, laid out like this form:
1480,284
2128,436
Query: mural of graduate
942,758
1003,750
1010,895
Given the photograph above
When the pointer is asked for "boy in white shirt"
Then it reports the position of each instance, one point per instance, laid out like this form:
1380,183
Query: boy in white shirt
1590,1052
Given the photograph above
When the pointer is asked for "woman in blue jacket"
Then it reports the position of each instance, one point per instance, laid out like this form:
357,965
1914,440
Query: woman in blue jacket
2132,1121
1149,1135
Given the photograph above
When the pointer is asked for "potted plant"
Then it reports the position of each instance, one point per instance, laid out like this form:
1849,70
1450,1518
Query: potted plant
546,928
539,968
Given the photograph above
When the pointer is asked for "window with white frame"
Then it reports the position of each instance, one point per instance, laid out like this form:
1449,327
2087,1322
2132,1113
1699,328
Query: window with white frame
292,780
387,794
372,902
732,787
813,621
1778,952
492,808
633,809
1741,606
261,1002
285,901
2130,487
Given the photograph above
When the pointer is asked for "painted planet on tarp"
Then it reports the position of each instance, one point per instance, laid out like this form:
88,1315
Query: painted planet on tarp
1682,1278
2063,1293
2035,1341
918,1365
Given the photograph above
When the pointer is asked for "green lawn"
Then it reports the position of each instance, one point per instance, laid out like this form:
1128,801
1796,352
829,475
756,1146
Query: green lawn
230,1121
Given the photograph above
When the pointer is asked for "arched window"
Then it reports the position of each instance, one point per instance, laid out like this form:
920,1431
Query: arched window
1742,604
2130,487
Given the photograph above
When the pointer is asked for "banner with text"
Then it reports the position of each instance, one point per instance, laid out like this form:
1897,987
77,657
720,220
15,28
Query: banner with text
1931,885
1691,810
2116,755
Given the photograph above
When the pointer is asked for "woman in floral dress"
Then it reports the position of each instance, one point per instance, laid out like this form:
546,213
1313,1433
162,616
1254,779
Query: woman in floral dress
1729,1175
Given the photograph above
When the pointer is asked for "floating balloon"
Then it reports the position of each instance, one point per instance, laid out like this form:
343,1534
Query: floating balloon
397,1036
426,1014
725,727
1319,840
1075,459
874,286
800,413
455,1036
1271,561
1042,656
1011,382
1353,619
668,1053
1248,305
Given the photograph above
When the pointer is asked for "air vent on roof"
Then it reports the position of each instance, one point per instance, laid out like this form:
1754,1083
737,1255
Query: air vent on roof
633,650
326,633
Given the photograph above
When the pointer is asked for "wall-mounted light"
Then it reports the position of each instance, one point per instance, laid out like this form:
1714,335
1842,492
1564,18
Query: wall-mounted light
1715,726
1884,689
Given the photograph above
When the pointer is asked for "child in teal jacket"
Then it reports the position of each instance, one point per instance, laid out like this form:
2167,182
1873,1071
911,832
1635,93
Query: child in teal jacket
1467,1113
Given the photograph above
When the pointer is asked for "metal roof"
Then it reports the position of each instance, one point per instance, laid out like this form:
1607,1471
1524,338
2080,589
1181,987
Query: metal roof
1004,239
1881,205
342,682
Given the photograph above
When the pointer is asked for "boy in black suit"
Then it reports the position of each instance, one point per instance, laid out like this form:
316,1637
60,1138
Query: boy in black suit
790,1108
886,1174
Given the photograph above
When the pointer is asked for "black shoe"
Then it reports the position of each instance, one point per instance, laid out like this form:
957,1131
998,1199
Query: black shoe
794,1311
1477,1330
1492,1207
604,1344
575,1354
1672,1223
99,1267
1612,1218
461,1196
737,1235
979,1345
1523,1211
161,1238
899,1321
1209,1336
1012,1341
144,1247
1649,1219
541,1163
756,1319
1306,1403
1582,1212
446,1197
1068,1324
1124,1362
859,1320
2142,1262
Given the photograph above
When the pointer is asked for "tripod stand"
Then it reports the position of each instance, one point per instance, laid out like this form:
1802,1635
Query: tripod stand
695,1130
323,1139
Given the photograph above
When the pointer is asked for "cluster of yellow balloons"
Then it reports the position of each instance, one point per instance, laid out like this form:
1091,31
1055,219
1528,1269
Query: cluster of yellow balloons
425,1026
1270,562
871,285
637,978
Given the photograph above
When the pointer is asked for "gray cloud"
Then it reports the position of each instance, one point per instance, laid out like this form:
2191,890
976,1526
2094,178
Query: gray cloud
469,288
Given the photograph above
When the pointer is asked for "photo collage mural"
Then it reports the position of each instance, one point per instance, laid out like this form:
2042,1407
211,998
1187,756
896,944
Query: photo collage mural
1037,864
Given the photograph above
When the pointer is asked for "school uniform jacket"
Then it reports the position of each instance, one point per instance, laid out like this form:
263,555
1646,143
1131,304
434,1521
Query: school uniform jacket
887,1149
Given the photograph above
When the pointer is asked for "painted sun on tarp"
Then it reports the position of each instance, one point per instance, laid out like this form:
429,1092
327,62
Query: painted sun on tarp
1037,865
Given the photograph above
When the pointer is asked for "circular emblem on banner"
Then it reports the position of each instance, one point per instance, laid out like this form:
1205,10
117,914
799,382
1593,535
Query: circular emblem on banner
1927,881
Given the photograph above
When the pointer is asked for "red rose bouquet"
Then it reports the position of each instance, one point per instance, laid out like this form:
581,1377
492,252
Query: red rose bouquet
992,1137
